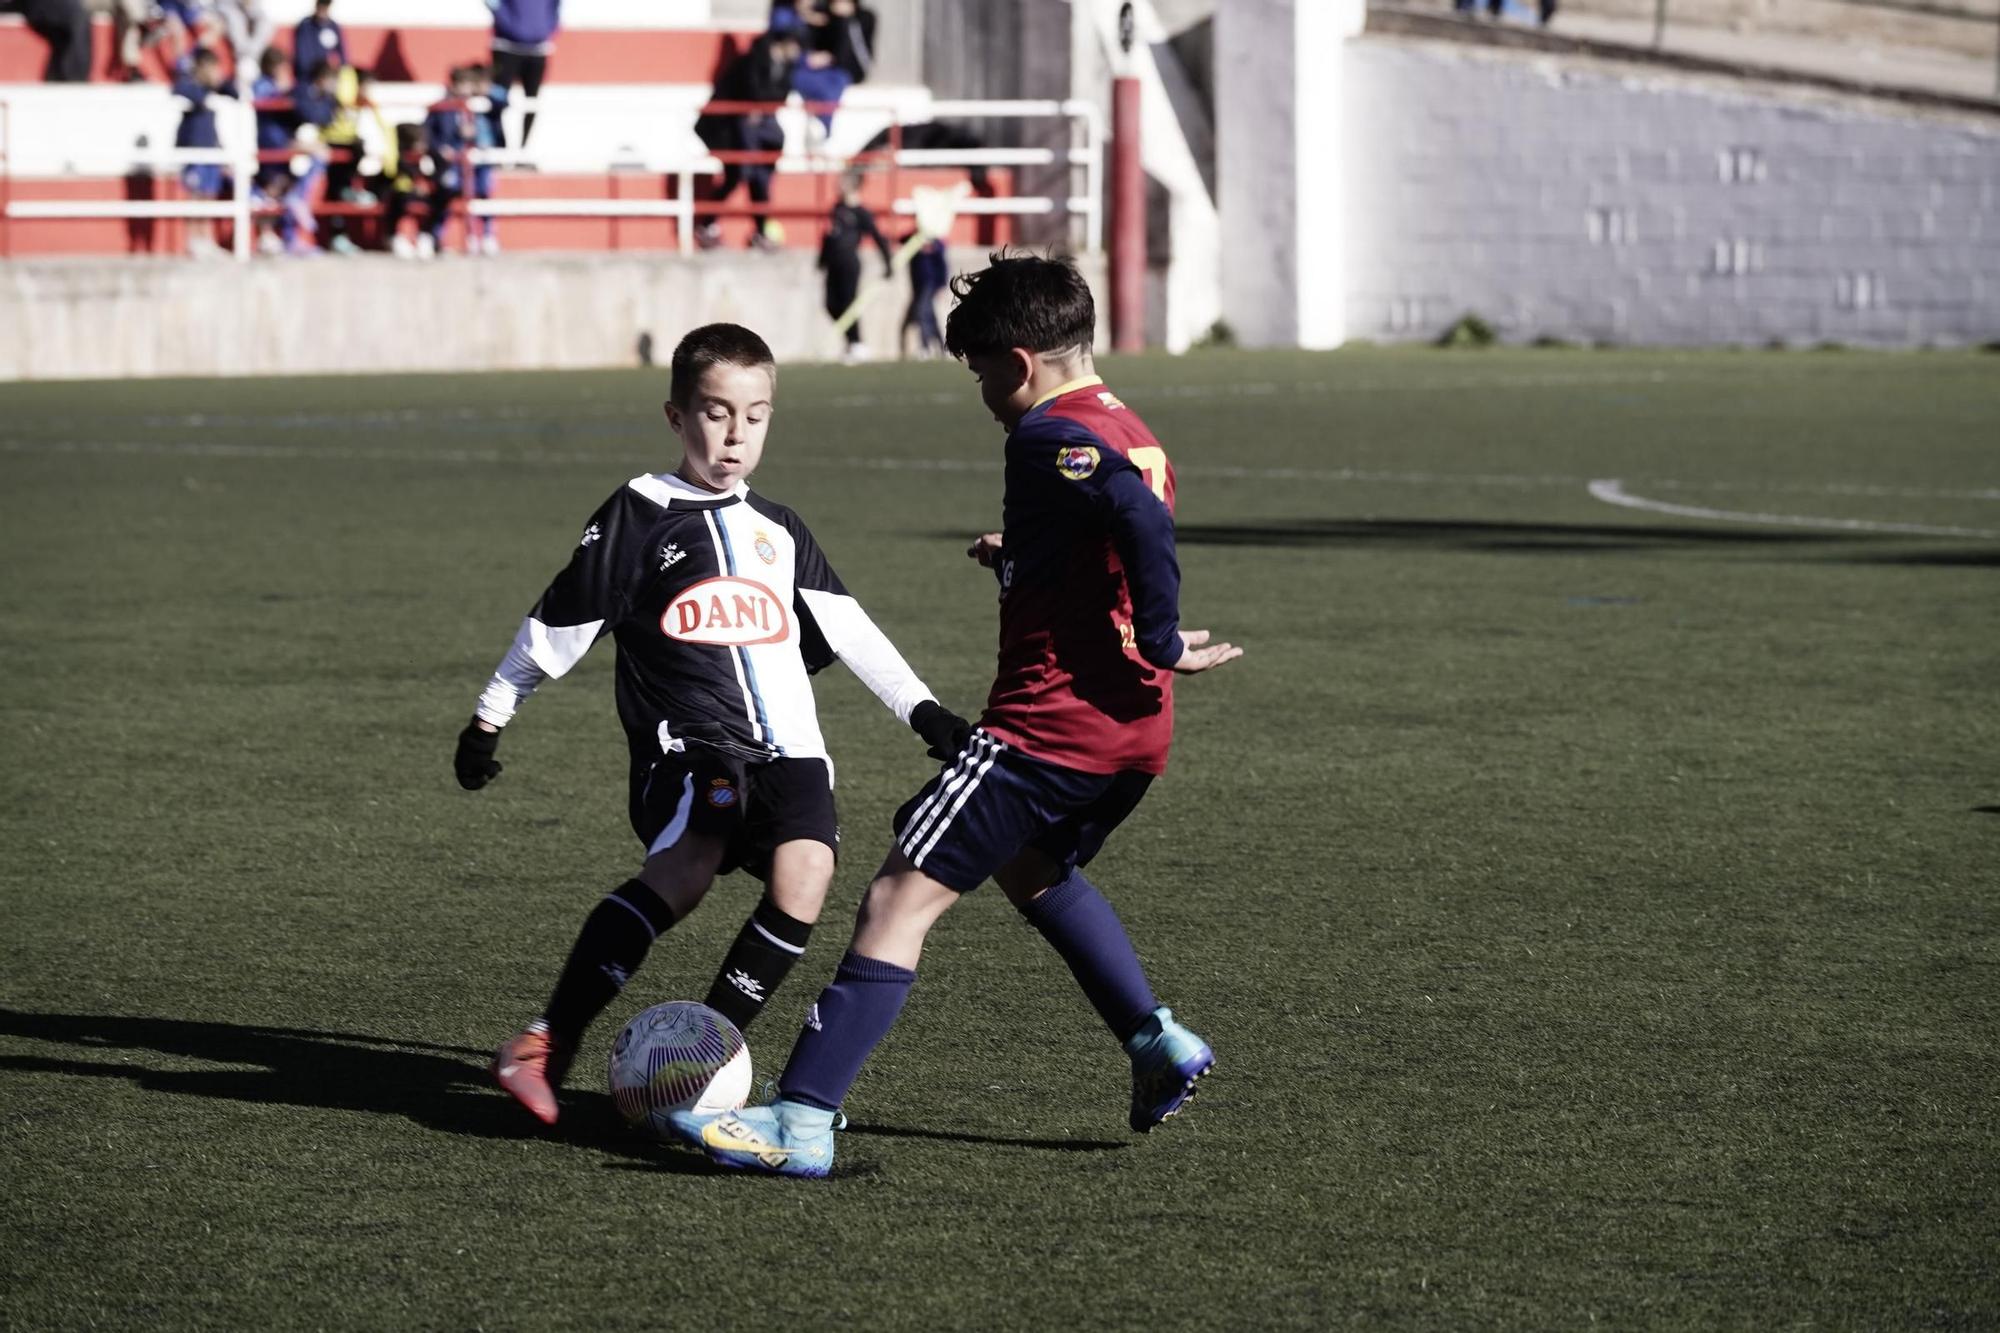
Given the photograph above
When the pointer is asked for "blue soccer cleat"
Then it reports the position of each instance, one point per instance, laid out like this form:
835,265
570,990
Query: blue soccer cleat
1166,1061
783,1139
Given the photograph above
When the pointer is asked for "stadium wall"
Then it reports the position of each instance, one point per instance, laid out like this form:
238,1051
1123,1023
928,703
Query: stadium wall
1562,199
1577,198
121,319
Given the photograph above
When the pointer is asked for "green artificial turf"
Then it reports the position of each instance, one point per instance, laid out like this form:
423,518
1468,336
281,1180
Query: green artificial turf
1593,910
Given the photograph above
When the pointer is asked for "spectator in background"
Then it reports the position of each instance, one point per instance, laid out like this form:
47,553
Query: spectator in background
840,256
454,128
203,180
129,22
356,141
248,30
845,30
183,28
408,180
296,185
929,271
317,40
837,56
66,28
524,35
761,74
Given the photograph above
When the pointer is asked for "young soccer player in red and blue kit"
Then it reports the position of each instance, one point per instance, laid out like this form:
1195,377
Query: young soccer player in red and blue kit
1076,728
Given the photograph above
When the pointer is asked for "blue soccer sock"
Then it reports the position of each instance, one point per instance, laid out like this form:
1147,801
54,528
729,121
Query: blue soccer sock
1074,917
853,1014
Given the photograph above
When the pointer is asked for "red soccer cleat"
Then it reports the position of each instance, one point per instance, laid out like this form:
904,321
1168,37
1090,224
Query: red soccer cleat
529,1068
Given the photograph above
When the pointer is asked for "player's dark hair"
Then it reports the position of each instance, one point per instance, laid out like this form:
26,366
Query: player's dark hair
715,345
1039,302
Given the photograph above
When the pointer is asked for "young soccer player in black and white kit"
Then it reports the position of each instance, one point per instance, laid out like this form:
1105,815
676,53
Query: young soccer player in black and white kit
721,605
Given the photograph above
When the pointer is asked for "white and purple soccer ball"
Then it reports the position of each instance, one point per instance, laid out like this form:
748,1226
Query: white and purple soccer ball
678,1056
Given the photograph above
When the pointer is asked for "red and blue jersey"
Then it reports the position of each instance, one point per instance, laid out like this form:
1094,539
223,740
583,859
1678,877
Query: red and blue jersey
1089,588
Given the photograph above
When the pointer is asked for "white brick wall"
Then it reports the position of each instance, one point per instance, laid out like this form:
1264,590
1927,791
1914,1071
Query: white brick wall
1584,202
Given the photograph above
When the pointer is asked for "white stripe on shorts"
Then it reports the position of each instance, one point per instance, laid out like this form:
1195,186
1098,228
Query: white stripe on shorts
671,834
956,806
920,822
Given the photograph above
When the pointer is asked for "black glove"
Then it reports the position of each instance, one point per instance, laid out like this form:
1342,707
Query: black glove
474,761
943,730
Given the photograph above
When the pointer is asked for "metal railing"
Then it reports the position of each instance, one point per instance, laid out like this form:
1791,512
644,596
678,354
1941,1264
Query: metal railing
805,154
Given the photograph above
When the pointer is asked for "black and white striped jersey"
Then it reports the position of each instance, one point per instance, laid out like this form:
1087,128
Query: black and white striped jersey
722,606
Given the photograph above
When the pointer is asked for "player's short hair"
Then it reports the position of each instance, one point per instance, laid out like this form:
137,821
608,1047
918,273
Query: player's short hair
715,345
1039,302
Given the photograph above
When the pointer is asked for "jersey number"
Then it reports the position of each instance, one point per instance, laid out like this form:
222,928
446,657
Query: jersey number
1151,460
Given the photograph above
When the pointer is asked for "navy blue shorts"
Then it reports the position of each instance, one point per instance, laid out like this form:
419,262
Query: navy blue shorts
979,812
205,179
751,807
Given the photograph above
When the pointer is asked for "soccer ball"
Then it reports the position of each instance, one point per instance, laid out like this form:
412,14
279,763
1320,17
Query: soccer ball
678,1056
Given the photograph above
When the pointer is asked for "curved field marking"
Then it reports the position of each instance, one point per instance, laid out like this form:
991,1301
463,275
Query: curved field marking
1612,491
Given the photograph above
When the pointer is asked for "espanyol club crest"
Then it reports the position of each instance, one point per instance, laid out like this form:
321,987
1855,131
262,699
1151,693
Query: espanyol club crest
721,793
766,552
728,612
1076,461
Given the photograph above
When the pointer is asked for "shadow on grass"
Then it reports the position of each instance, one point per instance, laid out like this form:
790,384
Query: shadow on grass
1986,809
1001,1141
440,1087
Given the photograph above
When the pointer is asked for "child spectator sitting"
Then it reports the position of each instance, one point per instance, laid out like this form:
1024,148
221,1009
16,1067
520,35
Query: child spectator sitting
761,74
356,141
456,127
410,179
203,180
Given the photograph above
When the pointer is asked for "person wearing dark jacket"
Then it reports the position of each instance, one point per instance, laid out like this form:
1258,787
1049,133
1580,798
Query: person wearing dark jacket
840,256
317,40
761,74
524,36
66,28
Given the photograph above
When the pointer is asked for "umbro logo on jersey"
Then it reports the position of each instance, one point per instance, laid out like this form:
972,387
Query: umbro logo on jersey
727,611
671,555
591,534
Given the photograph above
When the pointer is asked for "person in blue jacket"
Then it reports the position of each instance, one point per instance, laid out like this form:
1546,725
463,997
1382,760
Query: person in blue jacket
524,36
317,41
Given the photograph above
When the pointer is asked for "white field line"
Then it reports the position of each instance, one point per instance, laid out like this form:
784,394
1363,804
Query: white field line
1612,491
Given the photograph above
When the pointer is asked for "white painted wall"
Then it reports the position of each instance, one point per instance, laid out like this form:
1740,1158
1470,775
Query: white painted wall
1183,297
131,318
1281,179
1594,203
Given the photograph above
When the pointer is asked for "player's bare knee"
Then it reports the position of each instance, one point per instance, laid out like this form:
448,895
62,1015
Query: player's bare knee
801,874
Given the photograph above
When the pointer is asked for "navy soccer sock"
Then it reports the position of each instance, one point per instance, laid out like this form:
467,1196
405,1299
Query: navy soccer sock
1074,917
853,1014
608,950
764,951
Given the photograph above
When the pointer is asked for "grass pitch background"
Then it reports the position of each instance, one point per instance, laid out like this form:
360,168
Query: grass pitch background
1593,911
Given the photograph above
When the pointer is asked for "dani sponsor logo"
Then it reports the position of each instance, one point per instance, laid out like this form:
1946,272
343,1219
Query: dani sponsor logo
728,611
